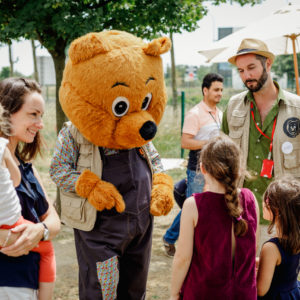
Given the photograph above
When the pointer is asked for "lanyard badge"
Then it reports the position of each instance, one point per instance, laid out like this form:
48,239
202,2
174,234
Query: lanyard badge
267,167
268,164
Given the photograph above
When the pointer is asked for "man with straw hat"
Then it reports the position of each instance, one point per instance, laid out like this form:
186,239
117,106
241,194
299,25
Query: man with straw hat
264,121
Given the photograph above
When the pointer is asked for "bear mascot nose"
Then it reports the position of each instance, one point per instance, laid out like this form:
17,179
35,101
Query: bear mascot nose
148,130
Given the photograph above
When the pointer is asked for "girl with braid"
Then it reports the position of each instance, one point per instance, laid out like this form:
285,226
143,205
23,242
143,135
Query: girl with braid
217,241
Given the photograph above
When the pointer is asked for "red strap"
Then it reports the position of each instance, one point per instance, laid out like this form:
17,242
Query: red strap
260,131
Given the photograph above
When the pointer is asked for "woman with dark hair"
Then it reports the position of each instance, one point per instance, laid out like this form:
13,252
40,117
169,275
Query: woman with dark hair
19,276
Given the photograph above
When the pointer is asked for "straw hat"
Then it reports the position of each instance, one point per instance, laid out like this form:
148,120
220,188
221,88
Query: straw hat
252,46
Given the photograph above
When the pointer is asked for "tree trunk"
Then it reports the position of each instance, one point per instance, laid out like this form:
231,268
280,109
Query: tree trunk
59,65
11,60
173,74
36,75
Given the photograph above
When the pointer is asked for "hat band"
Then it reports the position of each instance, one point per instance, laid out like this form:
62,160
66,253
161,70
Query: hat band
246,50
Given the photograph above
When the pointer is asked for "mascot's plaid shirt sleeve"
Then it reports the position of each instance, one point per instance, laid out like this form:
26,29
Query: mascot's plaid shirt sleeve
64,161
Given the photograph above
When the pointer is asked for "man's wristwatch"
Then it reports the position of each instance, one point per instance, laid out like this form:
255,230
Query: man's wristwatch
46,232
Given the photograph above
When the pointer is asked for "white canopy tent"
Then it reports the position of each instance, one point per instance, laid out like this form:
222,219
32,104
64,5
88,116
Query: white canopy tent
280,31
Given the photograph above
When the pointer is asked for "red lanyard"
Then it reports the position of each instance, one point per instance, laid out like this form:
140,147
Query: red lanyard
260,131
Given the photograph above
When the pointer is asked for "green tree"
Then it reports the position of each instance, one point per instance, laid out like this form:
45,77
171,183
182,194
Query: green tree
4,73
203,70
285,64
55,23
8,43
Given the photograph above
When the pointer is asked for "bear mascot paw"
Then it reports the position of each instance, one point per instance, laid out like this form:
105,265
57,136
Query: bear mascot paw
101,194
162,195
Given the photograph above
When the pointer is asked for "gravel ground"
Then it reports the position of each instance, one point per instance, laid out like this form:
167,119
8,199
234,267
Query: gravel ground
160,267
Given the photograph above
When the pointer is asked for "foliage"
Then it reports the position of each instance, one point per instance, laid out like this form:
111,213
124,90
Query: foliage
4,73
203,70
64,20
241,2
55,23
285,64
181,72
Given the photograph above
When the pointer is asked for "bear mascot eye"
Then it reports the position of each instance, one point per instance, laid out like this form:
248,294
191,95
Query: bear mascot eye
120,106
146,101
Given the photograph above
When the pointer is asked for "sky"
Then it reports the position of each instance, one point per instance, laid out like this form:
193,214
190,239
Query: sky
186,45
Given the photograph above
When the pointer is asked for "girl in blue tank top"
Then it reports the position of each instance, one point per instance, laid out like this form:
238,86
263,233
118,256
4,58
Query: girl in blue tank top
279,262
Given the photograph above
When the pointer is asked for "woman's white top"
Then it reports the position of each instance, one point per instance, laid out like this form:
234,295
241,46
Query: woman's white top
10,208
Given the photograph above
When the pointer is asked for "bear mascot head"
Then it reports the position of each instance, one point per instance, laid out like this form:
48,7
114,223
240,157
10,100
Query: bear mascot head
113,88
113,92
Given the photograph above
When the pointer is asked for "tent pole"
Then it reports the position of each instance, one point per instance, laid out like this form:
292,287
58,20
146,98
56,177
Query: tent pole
293,38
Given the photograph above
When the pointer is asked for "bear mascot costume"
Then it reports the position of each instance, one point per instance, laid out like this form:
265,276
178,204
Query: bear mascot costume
105,165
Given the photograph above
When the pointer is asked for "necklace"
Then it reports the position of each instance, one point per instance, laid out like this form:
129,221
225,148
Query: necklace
218,124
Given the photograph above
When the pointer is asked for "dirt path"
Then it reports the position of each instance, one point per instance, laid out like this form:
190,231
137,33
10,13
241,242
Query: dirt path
160,266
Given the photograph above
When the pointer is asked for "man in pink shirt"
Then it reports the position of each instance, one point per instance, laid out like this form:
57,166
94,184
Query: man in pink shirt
201,123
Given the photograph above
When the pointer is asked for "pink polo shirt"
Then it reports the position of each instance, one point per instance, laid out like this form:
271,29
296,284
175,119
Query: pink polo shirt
202,122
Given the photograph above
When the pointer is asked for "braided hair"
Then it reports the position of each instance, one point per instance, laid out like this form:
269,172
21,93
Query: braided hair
221,159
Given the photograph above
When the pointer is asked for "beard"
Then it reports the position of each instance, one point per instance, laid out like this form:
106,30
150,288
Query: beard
259,83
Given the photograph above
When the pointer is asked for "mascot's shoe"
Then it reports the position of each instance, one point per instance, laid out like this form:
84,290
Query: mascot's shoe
169,248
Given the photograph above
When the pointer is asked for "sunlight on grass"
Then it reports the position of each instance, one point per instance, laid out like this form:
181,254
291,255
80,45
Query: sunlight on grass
167,139
177,174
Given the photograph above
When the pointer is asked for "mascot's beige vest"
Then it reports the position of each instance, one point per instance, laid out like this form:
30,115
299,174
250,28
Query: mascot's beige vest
238,116
76,211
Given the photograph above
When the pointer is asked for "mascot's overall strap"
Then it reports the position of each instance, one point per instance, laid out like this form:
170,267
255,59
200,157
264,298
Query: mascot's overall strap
76,211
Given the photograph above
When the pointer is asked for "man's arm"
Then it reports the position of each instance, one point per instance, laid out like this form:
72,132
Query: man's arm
190,129
155,158
188,142
63,164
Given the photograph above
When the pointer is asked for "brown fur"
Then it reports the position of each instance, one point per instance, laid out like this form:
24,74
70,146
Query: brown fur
97,62
162,192
91,72
101,194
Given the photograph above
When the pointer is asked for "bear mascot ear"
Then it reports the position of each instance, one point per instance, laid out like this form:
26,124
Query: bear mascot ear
87,47
158,46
